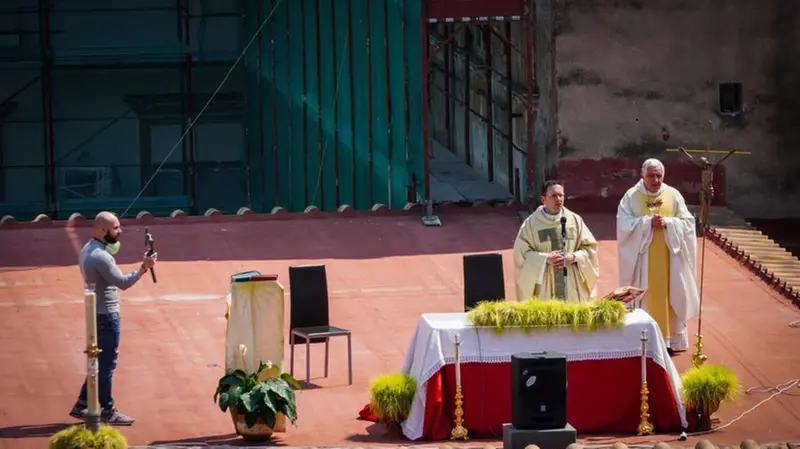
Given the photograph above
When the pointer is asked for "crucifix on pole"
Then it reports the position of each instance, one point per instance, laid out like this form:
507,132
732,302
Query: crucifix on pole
706,197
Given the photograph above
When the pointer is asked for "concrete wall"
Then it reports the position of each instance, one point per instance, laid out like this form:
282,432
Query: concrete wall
637,77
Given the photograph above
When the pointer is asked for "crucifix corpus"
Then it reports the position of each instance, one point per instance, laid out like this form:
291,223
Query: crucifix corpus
706,197
707,176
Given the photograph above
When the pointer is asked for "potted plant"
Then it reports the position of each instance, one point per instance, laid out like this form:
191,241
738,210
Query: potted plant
391,397
704,389
79,436
256,399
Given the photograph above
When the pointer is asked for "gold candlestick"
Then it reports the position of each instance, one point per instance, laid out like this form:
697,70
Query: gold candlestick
645,428
92,352
459,432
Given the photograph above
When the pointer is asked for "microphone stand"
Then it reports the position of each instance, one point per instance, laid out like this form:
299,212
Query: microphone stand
564,253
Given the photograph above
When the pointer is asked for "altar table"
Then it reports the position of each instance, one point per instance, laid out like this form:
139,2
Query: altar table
603,372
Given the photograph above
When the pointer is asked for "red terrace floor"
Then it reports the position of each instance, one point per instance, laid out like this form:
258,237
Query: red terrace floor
383,272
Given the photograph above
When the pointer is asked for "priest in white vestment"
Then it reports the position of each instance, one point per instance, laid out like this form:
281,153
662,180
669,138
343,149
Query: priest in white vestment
657,252
539,260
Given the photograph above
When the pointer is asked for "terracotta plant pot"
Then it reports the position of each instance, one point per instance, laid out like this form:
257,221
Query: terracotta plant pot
259,433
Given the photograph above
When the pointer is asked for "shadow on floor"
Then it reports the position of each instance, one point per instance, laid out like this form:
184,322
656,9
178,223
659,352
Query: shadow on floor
32,431
231,439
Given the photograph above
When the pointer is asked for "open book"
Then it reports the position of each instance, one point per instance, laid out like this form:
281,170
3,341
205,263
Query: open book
630,296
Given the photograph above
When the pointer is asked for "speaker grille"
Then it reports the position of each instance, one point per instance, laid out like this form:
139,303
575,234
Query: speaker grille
539,390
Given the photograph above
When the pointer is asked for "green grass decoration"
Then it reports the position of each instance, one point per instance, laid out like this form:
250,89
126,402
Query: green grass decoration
535,313
391,396
708,386
79,437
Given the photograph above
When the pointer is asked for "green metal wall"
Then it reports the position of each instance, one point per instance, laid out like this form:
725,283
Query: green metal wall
334,112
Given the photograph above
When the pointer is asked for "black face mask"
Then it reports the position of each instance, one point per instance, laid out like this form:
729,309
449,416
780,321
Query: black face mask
108,238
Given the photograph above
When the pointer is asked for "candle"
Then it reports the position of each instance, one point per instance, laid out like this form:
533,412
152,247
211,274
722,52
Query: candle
92,366
644,355
458,364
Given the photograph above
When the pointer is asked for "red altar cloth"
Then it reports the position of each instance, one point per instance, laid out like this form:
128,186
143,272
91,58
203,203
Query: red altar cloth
603,396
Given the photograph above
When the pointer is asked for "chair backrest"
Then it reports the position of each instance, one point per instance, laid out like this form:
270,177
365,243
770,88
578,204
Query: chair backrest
308,286
483,278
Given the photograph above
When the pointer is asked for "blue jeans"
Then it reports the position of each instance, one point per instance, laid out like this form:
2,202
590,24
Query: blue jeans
108,336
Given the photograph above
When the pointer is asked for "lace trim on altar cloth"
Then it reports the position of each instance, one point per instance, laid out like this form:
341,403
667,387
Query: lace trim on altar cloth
506,358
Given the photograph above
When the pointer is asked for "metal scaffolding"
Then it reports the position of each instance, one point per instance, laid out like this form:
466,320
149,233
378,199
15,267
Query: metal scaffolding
442,22
49,60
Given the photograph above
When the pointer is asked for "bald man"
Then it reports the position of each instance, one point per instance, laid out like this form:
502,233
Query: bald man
98,267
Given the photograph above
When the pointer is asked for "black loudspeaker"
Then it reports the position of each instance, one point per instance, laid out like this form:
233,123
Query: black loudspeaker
539,390
483,279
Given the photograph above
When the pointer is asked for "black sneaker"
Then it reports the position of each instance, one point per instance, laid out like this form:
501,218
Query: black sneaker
79,412
115,418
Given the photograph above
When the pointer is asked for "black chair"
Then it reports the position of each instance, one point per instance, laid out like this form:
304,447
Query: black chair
309,319
483,279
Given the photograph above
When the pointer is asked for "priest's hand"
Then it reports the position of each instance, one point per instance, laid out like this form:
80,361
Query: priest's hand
555,258
568,260
658,222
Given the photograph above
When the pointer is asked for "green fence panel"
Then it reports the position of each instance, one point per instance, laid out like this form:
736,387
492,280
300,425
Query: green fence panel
328,71
344,119
266,108
282,105
312,110
297,88
340,104
397,96
413,40
361,102
381,143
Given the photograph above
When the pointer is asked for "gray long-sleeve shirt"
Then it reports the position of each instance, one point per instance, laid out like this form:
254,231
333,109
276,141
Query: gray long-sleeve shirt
99,268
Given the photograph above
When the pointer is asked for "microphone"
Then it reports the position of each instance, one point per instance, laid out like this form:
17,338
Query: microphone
148,241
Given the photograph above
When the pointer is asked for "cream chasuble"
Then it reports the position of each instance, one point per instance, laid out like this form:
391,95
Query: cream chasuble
541,234
660,261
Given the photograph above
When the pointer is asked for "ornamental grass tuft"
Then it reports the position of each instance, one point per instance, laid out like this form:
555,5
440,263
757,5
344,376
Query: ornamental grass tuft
706,387
79,437
537,314
391,397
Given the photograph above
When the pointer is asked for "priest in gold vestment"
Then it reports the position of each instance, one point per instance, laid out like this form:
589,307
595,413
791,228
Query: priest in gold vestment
657,252
538,258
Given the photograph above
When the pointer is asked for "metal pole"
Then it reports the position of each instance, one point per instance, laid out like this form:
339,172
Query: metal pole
92,367
426,126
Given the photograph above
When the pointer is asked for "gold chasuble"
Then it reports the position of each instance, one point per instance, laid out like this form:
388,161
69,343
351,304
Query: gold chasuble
656,298
541,234
660,261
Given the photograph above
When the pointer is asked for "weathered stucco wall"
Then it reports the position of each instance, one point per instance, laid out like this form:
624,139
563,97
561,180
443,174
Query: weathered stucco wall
637,77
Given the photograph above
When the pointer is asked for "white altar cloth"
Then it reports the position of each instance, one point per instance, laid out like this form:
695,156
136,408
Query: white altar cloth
432,347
